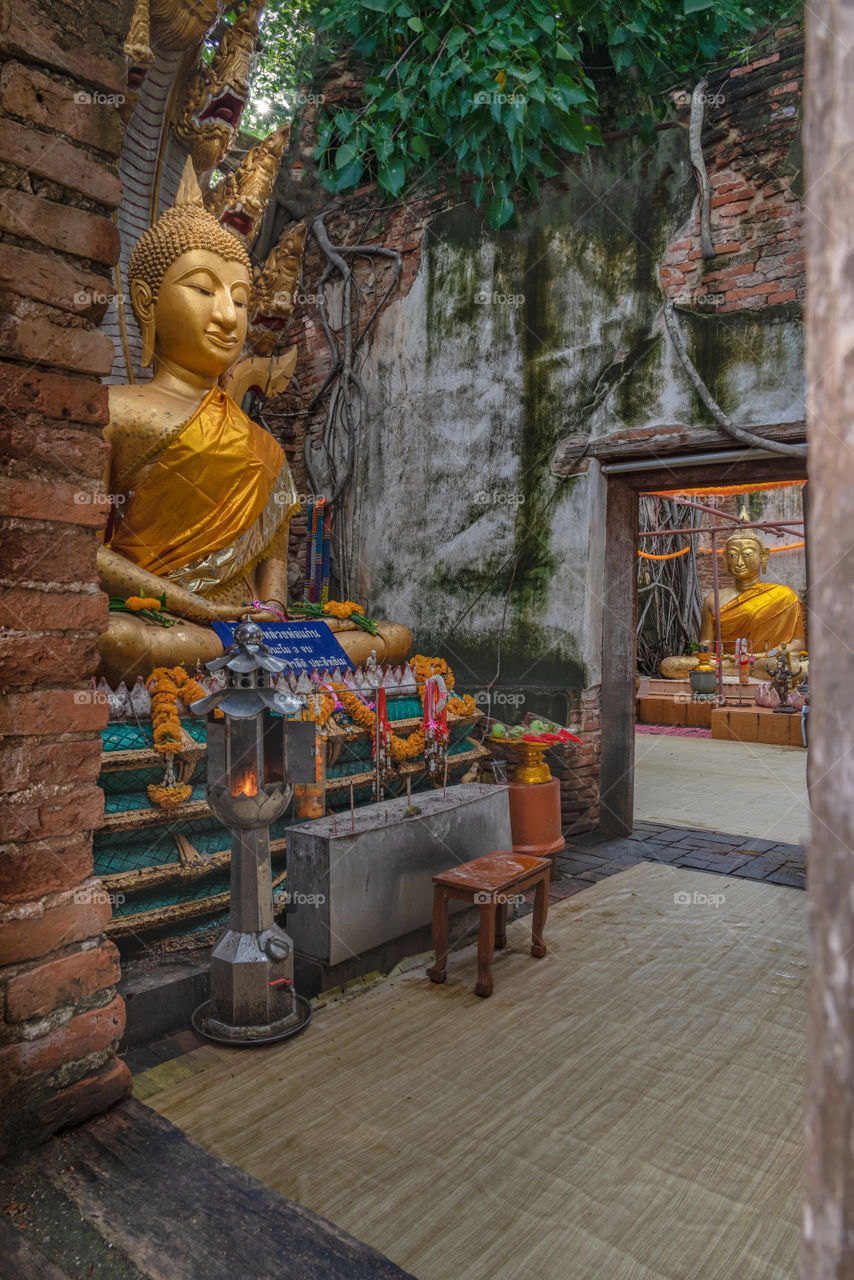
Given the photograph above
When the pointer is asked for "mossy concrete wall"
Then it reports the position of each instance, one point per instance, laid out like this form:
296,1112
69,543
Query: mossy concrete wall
506,343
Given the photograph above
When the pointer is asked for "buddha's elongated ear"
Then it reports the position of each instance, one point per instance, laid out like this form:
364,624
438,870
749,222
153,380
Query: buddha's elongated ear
765,554
142,301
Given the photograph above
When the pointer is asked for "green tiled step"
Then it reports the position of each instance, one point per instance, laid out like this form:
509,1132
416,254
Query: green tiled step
130,736
131,850
117,781
129,801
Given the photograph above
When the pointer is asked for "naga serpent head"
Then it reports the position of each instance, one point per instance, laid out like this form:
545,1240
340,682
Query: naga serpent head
240,199
210,105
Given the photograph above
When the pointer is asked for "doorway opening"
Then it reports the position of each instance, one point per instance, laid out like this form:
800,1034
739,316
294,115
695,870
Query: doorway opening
679,755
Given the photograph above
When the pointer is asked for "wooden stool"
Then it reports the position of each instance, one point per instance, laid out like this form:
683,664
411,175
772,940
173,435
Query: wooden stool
487,882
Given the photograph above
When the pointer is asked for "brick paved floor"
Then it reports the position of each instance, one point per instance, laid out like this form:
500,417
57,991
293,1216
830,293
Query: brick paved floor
591,856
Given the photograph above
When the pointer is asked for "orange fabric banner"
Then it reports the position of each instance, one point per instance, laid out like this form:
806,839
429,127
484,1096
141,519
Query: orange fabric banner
724,489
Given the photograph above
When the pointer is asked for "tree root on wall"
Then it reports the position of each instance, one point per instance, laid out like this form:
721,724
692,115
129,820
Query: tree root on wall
738,433
339,439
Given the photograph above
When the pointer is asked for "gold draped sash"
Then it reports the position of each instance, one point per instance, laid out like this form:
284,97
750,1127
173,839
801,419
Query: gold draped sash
766,614
217,493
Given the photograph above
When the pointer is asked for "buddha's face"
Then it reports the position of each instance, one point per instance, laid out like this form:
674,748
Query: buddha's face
201,313
745,559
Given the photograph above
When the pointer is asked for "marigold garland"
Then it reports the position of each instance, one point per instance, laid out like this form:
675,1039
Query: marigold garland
338,694
327,706
356,708
723,488
402,748
165,684
672,555
669,555
167,797
408,748
464,706
423,667
135,603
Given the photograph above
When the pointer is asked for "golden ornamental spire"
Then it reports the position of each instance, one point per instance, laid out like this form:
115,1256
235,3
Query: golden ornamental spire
189,192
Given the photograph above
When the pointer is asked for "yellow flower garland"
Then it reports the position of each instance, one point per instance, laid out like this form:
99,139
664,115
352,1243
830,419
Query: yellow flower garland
412,746
423,667
327,706
164,684
169,797
401,748
464,706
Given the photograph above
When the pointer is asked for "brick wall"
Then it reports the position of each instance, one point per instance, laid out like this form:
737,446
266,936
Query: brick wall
61,75
751,145
578,768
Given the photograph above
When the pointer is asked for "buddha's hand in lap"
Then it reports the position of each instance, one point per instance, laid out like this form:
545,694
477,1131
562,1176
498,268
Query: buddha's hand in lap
210,612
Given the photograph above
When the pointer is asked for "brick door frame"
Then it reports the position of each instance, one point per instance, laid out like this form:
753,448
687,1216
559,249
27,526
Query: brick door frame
624,485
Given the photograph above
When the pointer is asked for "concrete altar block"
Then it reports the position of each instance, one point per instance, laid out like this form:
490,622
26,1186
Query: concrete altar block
354,890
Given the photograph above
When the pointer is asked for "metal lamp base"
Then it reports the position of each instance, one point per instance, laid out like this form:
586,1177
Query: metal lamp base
222,1033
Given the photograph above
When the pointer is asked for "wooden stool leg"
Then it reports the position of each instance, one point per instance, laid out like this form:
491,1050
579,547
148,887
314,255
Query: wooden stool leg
541,910
485,948
501,925
439,970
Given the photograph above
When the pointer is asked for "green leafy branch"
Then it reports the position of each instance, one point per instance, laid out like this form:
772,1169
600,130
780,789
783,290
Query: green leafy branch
495,94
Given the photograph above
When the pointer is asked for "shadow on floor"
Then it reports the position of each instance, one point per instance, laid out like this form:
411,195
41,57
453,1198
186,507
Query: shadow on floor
128,1196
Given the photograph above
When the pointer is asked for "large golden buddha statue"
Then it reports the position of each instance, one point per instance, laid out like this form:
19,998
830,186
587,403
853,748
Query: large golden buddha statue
201,495
766,614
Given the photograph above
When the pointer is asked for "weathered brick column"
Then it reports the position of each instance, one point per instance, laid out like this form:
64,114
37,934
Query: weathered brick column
62,75
577,768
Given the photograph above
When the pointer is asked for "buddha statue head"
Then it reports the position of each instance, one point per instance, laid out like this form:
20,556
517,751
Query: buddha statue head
745,554
190,285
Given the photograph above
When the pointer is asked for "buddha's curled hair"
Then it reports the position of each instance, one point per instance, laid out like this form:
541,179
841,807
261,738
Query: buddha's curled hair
178,230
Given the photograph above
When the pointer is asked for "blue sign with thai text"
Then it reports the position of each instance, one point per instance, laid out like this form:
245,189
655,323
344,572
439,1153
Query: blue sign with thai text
302,646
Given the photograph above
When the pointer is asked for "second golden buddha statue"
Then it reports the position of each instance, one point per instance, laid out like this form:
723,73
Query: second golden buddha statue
765,614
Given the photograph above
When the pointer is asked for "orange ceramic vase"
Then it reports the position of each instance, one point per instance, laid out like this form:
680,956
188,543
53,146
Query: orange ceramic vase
535,817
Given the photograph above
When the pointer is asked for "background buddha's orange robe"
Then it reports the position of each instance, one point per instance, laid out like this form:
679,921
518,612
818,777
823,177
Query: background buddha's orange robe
766,614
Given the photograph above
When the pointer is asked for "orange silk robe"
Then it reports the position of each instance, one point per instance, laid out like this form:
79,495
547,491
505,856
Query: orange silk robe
217,494
767,613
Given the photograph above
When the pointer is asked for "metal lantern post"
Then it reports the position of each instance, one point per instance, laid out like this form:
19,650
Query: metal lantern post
254,755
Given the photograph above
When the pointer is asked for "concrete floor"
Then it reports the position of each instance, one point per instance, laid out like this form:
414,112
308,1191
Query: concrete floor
746,788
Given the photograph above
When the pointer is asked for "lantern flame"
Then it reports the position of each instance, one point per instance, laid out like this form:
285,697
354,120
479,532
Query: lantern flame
246,784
